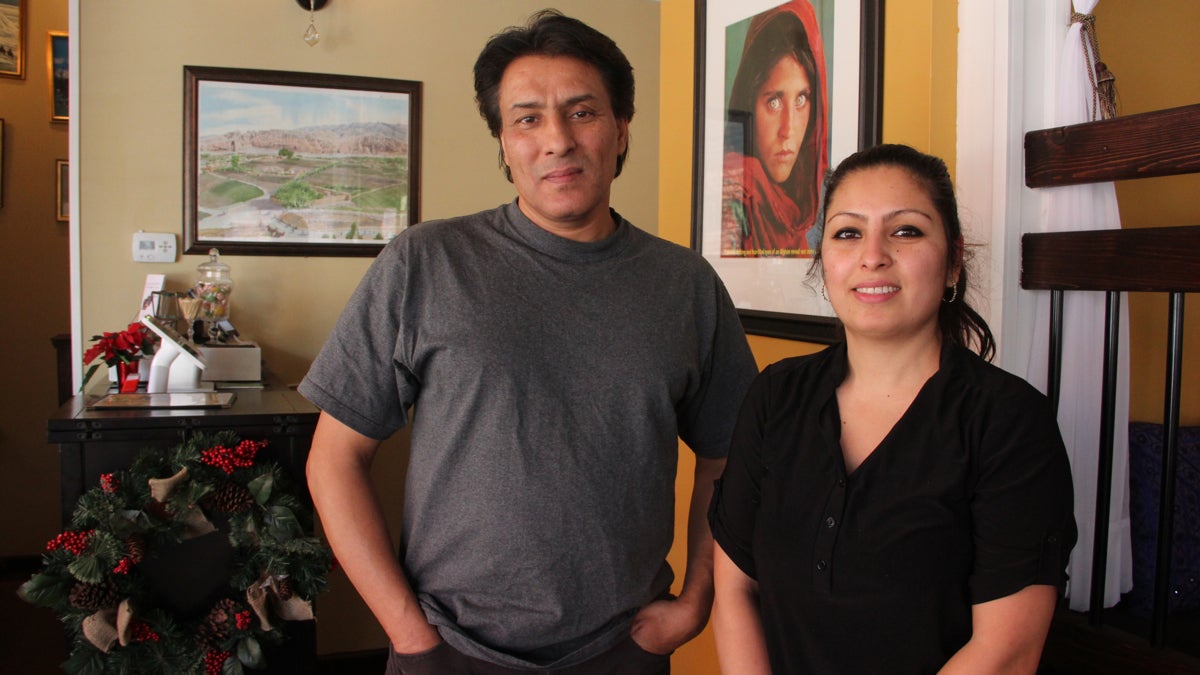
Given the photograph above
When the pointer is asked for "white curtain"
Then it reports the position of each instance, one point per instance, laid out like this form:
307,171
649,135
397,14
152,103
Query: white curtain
1086,207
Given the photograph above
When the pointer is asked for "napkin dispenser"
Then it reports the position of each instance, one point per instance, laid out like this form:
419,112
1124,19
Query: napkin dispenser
239,361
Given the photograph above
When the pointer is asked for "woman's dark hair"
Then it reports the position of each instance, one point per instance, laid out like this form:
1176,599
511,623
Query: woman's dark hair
549,33
782,35
959,323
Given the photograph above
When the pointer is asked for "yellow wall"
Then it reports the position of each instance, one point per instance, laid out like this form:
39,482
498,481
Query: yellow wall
1152,50
919,102
35,301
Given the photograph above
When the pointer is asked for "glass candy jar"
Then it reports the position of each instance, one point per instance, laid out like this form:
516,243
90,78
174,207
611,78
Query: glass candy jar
213,289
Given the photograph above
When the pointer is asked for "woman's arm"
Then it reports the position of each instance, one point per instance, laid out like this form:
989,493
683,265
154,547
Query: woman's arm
737,626
339,479
1007,633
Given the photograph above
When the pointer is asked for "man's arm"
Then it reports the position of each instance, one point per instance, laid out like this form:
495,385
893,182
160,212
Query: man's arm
1007,634
339,480
662,626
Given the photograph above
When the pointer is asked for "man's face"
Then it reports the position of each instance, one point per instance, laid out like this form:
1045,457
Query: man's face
561,142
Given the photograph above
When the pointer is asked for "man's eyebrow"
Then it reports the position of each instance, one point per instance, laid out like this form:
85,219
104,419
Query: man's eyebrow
538,104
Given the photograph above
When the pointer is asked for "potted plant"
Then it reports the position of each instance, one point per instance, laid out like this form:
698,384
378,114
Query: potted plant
121,350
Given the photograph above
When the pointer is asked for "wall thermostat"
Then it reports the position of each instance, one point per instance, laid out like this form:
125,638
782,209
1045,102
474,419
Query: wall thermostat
153,247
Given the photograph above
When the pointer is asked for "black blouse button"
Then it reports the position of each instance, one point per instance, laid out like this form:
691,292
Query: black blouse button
820,565
830,522
841,482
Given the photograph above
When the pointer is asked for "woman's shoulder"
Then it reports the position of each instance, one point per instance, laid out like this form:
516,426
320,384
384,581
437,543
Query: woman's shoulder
976,373
828,362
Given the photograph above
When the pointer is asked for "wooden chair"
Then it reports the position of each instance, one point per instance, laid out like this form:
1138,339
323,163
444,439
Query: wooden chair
1155,260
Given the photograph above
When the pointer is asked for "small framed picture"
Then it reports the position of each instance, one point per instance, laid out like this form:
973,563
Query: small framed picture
12,38
62,189
60,80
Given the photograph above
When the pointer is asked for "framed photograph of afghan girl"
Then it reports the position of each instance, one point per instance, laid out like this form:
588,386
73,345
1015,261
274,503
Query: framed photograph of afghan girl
784,91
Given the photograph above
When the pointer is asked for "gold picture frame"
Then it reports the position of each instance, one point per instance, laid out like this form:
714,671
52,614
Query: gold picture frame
12,38
57,45
62,172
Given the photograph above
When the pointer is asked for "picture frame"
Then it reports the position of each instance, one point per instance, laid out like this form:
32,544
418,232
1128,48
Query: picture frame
13,16
307,164
757,220
57,67
62,190
1,161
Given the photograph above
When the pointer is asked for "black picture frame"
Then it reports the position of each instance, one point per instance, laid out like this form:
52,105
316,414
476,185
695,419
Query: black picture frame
298,164
754,281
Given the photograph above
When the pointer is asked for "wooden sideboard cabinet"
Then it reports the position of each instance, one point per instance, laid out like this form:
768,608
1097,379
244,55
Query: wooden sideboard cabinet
94,442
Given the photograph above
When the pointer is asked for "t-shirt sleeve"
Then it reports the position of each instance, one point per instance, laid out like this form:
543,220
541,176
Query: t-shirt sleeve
358,376
1023,505
734,508
707,417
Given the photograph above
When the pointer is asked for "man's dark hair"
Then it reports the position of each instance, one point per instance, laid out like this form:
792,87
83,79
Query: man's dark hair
549,33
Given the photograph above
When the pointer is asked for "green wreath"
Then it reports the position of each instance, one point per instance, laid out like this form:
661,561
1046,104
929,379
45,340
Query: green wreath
186,562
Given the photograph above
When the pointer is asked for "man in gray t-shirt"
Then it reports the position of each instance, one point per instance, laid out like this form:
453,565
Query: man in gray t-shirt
552,355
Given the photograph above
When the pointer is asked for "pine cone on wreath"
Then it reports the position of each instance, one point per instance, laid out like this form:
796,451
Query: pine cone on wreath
95,596
135,547
216,625
285,588
230,498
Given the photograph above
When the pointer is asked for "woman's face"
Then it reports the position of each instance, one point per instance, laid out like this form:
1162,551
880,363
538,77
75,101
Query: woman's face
782,112
884,255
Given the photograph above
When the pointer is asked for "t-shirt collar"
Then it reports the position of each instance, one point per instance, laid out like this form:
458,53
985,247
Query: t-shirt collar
561,247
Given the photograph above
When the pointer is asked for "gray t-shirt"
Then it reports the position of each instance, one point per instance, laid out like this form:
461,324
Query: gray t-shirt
550,381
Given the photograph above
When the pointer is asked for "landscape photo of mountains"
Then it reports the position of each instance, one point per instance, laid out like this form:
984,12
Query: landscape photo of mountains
295,165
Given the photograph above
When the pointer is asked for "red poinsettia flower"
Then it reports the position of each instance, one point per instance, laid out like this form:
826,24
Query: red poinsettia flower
119,347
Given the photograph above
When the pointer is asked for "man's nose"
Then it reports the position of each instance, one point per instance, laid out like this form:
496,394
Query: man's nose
559,136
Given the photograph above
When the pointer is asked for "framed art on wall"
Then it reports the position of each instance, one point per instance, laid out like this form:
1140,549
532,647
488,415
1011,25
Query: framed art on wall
62,185
283,163
12,38
784,91
1,161
60,78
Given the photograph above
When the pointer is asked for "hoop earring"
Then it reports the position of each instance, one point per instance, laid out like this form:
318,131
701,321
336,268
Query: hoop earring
953,295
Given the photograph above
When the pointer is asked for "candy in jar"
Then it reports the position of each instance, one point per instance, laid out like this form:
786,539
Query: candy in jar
213,288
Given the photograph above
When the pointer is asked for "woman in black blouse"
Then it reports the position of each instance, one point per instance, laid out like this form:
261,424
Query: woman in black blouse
894,503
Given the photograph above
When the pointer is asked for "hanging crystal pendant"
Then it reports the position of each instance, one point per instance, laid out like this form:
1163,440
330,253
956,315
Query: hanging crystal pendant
311,36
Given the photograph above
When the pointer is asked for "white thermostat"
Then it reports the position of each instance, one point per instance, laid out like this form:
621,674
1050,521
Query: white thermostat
153,247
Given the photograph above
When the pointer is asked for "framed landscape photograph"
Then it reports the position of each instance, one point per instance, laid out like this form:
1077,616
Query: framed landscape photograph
784,91
60,78
62,185
283,163
12,38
